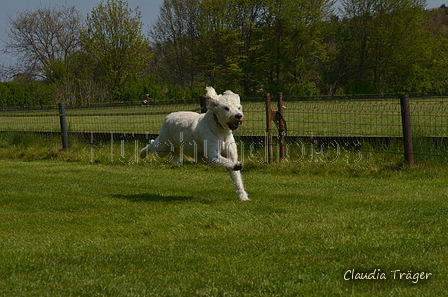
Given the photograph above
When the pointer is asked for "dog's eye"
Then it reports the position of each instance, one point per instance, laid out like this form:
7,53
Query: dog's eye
239,108
226,108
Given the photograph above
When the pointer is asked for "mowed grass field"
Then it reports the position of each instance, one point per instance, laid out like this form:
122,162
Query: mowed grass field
303,118
80,229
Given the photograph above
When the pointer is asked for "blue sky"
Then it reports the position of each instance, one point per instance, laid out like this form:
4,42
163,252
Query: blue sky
9,8
149,9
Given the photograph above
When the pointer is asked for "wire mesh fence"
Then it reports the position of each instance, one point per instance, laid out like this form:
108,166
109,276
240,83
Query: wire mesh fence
342,119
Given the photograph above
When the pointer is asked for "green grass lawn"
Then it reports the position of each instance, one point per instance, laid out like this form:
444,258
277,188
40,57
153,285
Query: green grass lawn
80,229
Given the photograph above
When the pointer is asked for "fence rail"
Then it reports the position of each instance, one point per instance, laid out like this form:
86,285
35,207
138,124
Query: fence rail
337,118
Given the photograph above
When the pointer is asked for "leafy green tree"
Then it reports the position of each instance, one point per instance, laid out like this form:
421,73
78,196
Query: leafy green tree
293,43
439,67
246,45
220,56
175,41
301,47
386,43
113,38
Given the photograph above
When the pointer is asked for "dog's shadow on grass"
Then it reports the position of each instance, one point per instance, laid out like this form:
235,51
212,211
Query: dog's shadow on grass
150,197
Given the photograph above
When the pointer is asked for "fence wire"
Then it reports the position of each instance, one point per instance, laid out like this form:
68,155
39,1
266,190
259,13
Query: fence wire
374,118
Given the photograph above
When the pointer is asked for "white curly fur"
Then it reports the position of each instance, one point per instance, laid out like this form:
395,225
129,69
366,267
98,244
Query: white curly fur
205,137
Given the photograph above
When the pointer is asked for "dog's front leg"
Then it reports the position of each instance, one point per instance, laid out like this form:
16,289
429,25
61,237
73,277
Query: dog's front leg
218,160
235,175
231,151
215,157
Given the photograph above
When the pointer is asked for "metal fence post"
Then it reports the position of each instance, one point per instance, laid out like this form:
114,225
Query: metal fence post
281,127
407,129
269,153
63,122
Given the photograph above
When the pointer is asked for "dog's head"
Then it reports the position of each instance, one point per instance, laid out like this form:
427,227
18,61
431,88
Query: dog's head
226,107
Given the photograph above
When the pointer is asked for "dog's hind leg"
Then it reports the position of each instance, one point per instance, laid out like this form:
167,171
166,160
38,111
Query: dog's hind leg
161,149
176,158
238,183
145,151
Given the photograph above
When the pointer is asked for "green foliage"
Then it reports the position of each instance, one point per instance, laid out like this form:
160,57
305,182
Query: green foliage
385,46
26,94
301,46
114,40
249,46
253,45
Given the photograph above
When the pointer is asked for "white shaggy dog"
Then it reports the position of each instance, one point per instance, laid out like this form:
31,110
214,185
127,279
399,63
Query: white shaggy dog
206,137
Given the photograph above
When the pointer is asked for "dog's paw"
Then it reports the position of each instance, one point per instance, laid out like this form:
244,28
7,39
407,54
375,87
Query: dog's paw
242,196
244,199
238,166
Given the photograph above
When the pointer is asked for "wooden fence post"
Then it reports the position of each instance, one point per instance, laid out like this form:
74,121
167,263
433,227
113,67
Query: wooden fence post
203,103
63,123
407,129
268,142
281,127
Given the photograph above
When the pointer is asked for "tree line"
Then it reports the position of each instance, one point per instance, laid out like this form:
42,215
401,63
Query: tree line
299,47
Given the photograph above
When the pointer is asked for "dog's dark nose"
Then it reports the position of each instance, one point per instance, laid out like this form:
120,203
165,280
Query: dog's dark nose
238,116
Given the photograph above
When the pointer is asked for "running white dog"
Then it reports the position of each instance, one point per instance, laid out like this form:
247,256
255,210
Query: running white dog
206,137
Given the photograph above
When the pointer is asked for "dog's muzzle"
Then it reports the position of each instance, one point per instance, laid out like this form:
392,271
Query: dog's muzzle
236,124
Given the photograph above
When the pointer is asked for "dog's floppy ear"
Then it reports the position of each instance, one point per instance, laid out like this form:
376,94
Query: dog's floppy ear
214,97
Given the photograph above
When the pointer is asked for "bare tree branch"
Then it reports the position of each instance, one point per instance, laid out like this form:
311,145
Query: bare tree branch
41,37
